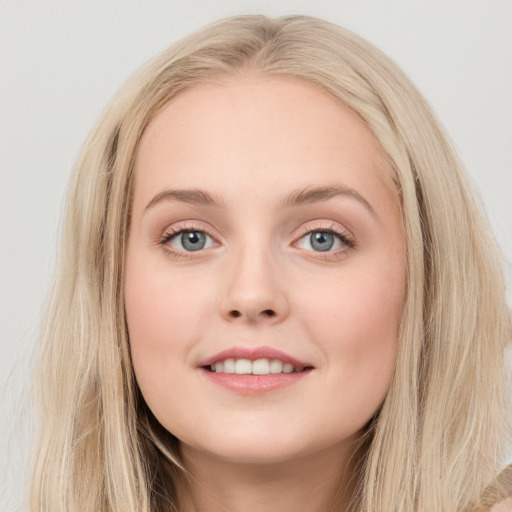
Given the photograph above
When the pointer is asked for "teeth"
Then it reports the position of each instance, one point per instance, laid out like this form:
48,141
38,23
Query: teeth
287,368
261,367
257,367
229,366
243,366
276,366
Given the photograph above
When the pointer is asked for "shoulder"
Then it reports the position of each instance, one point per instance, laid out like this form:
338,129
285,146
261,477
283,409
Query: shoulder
502,487
503,506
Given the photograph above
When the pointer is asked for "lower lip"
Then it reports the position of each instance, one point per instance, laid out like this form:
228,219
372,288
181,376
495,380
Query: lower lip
255,384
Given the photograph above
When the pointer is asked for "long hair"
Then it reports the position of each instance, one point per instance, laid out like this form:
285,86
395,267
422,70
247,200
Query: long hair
437,439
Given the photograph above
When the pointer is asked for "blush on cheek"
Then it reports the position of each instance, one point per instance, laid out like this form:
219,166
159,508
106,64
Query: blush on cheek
361,325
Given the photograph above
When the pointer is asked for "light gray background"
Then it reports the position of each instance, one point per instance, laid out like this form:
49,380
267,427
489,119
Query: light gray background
60,62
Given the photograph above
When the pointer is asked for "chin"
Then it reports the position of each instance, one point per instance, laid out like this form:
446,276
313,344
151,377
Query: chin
257,446
248,453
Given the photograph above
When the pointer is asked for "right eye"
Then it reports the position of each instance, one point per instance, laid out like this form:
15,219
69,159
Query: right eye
189,240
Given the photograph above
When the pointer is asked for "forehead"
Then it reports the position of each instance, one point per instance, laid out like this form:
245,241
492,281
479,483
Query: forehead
258,133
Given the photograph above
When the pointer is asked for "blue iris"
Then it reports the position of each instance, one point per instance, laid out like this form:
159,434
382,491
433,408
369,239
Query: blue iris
193,240
321,241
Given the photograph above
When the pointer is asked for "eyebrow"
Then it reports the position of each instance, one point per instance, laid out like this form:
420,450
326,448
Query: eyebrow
193,196
310,195
299,197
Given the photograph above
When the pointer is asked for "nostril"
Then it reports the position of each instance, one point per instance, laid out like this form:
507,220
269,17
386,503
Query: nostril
270,313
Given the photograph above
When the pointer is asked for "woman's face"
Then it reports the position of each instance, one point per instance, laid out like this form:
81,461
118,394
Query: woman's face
264,238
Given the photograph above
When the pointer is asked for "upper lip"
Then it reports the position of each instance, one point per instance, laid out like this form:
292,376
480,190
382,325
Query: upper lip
252,354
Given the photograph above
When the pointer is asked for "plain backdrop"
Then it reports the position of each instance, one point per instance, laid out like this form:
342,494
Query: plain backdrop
60,62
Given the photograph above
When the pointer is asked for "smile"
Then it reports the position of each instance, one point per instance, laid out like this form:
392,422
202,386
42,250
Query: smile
254,370
262,366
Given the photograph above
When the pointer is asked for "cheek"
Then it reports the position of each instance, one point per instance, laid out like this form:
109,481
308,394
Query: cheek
160,310
162,300
355,323
359,307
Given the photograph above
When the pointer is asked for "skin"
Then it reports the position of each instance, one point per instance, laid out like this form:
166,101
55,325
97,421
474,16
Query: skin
503,506
250,142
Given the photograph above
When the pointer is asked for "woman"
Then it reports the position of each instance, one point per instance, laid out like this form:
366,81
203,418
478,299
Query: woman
275,292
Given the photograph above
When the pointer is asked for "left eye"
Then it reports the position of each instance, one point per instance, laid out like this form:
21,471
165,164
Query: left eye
191,241
321,241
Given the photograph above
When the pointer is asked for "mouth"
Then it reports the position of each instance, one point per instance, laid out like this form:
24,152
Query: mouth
253,371
254,361
262,366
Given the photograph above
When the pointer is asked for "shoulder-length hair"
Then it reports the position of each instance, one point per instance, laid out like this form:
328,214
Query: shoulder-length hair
436,440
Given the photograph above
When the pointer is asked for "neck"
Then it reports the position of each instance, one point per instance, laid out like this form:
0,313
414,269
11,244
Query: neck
312,483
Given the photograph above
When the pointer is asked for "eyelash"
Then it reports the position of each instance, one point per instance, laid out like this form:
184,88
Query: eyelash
345,237
171,233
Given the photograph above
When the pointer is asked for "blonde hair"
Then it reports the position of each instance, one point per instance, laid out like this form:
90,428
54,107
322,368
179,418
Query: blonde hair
436,440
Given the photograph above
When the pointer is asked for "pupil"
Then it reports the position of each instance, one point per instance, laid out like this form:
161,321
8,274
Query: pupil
322,241
193,240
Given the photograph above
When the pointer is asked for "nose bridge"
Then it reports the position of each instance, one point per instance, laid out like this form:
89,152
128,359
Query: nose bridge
254,291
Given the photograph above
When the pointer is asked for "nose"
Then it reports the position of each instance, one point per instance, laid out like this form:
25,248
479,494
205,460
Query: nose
255,291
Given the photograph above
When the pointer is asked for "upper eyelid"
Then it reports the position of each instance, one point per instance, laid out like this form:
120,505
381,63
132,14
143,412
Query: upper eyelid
171,233
323,225
187,225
